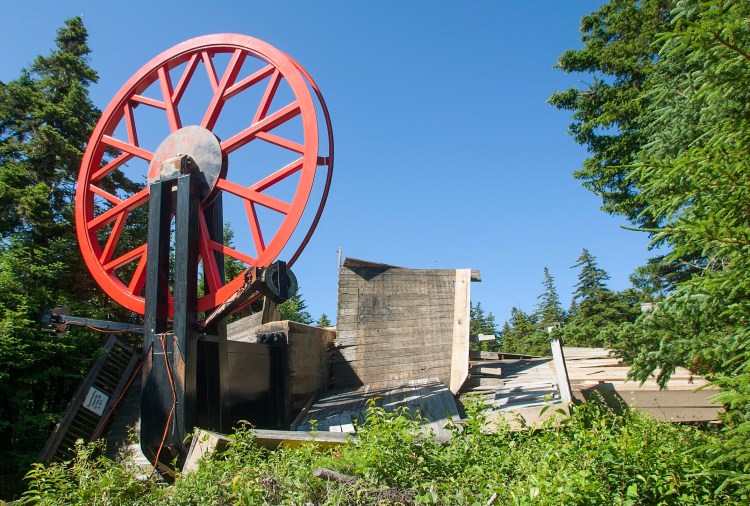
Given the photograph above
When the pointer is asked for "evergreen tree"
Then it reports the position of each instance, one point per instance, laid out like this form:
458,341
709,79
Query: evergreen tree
549,312
521,334
620,55
591,278
482,323
683,178
294,309
323,321
46,117
595,307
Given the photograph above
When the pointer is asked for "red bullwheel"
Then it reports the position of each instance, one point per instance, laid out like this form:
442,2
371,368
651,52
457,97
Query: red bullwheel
268,100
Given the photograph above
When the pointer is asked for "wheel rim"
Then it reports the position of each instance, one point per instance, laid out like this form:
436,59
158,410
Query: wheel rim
252,68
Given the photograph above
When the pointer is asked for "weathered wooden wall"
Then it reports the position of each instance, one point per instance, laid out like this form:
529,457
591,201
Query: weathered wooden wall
309,359
398,324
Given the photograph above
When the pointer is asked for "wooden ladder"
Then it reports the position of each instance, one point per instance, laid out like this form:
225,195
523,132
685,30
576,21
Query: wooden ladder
95,400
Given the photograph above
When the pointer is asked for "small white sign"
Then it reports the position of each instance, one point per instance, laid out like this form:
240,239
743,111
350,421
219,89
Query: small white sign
96,401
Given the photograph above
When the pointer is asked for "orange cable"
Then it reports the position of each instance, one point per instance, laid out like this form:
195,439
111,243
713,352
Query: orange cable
174,403
76,322
124,391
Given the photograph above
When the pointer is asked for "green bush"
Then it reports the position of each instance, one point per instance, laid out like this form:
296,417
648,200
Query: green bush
593,457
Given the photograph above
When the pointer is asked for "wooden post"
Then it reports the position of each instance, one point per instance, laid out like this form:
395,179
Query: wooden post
461,322
563,383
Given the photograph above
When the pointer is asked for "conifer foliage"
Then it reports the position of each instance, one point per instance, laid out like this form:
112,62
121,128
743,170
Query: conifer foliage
46,117
681,176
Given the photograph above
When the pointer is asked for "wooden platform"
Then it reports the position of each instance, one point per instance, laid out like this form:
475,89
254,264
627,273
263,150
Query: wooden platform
341,411
514,390
518,390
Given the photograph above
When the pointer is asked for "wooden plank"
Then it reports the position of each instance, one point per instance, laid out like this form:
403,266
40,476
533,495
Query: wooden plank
206,442
669,398
561,372
461,321
483,355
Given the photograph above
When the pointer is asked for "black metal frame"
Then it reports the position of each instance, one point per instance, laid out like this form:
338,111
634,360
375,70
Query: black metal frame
170,406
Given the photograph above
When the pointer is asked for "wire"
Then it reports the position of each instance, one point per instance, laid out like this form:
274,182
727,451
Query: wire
174,402
104,331
103,422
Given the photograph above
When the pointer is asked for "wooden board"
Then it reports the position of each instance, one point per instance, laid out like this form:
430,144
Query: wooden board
343,410
396,324
205,442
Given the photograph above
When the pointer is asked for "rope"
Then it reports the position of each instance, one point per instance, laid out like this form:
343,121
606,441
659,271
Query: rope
174,402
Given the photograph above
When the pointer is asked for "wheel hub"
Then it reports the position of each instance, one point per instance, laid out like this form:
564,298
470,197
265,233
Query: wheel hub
199,144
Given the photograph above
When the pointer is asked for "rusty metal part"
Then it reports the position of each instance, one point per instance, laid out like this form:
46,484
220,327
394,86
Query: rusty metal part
277,282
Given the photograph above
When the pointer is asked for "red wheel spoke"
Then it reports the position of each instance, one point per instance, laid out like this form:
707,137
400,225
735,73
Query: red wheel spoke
128,148
140,99
269,123
277,176
138,281
114,237
111,166
105,195
130,124
280,141
124,259
173,115
255,231
253,196
111,214
265,102
210,268
210,70
231,252
187,74
249,81
217,103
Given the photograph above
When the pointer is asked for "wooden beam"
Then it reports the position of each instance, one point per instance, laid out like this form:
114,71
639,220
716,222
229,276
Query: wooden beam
461,321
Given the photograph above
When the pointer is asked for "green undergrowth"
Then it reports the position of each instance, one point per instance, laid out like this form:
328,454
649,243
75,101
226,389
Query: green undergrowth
593,457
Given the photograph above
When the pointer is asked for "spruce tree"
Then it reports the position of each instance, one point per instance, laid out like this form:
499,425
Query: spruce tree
46,117
591,278
521,334
323,321
294,309
549,312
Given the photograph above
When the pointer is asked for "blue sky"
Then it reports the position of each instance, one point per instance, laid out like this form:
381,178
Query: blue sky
447,154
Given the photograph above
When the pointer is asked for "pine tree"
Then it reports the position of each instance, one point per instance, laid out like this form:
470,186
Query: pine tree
595,308
620,52
521,334
482,323
549,312
591,278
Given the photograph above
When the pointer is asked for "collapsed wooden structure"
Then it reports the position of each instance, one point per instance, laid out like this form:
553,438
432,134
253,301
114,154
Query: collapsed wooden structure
402,342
